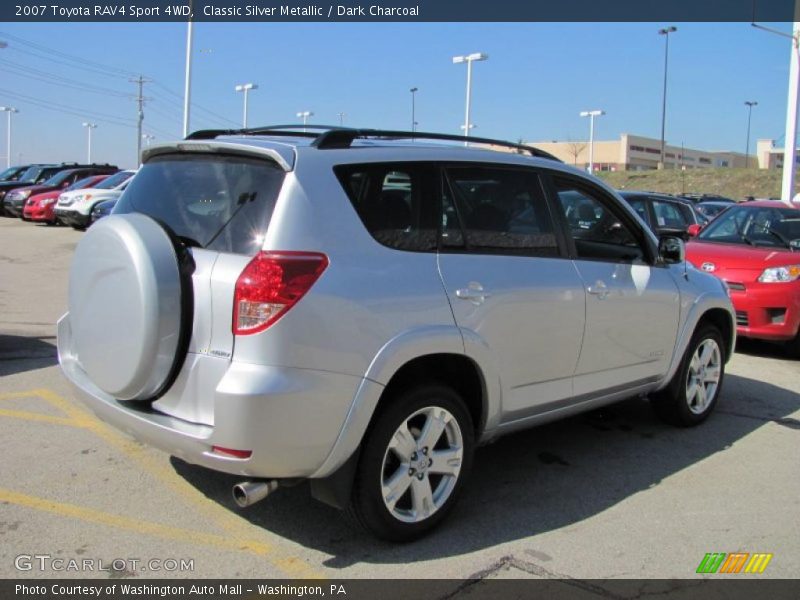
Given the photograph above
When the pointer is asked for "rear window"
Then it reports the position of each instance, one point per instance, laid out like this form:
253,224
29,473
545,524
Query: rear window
218,202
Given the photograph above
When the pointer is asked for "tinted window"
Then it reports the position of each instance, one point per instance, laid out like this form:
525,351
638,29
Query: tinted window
668,215
499,210
599,233
393,202
640,206
218,202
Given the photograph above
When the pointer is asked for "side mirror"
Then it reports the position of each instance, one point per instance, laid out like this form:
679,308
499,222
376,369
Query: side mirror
671,250
693,229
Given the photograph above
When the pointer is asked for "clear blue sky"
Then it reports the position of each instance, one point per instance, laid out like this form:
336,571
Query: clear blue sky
538,78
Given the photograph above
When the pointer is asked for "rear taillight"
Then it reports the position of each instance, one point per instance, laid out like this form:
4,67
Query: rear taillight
270,285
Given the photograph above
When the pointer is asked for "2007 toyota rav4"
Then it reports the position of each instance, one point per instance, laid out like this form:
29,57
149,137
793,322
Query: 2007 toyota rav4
362,310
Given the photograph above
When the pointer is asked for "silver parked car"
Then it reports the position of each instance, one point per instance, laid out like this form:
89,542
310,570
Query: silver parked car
361,310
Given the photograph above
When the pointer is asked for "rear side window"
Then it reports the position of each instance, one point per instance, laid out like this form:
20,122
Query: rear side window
218,202
394,203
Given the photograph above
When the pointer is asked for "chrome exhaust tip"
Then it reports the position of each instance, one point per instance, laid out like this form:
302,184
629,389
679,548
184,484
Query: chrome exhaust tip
248,493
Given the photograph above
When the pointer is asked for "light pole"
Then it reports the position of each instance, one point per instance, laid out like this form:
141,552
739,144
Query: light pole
9,110
413,91
89,127
341,116
469,59
187,81
591,114
665,32
148,137
749,104
245,87
304,115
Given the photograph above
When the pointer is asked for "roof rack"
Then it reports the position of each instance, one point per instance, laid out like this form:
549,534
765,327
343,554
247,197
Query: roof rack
327,137
343,138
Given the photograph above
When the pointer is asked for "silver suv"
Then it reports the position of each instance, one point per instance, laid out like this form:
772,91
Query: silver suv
361,310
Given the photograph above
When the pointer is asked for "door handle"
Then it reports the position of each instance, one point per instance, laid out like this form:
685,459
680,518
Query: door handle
474,292
599,289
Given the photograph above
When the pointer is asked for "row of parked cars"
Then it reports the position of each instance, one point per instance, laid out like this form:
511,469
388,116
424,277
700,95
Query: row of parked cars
67,193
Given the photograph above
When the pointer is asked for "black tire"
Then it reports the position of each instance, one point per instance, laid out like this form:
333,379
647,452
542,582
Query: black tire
378,461
675,404
793,346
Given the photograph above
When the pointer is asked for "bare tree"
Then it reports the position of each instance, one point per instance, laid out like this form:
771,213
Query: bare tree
574,149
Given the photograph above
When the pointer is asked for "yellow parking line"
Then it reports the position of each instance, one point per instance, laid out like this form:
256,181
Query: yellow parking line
30,416
80,418
154,529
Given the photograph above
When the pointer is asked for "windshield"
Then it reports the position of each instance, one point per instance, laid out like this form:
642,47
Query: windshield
114,180
10,174
755,226
82,183
59,178
31,175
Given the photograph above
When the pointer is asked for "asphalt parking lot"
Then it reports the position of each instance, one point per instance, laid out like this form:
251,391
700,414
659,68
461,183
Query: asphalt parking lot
611,494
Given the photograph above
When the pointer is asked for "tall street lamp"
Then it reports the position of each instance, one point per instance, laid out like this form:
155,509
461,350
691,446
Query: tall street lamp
749,104
665,32
148,137
341,116
591,114
245,87
9,110
413,91
469,59
304,114
89,127
187,80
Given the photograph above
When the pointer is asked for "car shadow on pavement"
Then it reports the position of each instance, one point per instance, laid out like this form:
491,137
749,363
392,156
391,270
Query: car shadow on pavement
753,347
20,353
528,483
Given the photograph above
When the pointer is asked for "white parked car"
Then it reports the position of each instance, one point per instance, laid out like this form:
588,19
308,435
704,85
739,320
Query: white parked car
75,208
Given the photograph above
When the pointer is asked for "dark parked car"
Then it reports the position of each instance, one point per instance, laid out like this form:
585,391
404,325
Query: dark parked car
14,201
103,209
666,215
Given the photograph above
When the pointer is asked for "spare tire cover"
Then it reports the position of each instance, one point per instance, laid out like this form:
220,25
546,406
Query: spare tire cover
125,305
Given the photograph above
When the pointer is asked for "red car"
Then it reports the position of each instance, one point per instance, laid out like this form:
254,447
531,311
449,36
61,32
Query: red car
754,248
41,207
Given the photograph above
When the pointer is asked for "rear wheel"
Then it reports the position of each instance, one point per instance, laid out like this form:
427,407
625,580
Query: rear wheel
693,392
414,463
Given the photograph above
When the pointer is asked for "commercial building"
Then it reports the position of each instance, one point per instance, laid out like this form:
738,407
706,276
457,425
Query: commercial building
771,157
638,153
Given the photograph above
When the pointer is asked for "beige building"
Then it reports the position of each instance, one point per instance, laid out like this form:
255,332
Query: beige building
769,156
637,153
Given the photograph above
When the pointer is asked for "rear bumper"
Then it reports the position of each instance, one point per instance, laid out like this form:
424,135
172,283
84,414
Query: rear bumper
289,418
768,311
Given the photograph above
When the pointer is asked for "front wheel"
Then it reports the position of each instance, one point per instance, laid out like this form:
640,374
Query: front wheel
693,392
413,464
